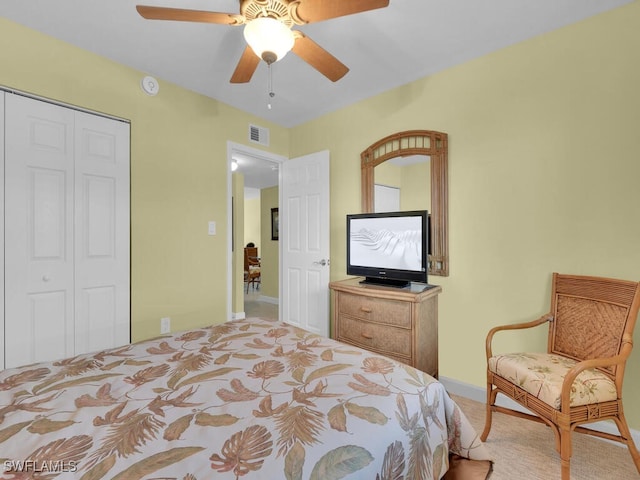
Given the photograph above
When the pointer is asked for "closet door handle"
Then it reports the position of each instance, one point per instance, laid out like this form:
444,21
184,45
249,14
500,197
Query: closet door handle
46,278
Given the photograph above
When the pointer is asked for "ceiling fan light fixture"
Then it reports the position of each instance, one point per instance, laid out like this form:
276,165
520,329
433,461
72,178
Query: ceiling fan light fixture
270,39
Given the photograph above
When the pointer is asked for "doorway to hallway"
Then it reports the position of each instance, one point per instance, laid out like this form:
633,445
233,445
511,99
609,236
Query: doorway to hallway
254,306
254,187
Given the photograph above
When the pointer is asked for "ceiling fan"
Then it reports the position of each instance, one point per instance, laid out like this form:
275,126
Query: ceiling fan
268,30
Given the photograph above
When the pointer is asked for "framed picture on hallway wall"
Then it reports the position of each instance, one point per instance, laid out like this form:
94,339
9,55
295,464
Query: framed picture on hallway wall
274,224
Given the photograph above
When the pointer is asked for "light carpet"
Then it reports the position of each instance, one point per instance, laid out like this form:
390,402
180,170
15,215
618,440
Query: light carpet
525,450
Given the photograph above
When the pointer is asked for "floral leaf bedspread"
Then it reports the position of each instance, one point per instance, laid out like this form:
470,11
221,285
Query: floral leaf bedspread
245,399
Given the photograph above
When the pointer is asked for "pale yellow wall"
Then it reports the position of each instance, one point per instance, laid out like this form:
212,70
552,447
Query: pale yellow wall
252,222
543,177
237,191
178,172
415,193
388,174
269,253
412,180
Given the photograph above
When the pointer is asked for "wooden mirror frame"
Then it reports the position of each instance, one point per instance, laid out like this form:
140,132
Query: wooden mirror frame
416,142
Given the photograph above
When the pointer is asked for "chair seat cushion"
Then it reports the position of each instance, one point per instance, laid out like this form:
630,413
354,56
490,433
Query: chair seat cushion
541,375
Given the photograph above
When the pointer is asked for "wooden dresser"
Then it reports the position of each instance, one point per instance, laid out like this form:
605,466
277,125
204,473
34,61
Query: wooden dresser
399,323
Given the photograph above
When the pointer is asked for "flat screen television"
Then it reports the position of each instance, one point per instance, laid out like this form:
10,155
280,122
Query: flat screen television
388,248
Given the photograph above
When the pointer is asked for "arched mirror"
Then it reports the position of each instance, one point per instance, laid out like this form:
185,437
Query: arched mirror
391,167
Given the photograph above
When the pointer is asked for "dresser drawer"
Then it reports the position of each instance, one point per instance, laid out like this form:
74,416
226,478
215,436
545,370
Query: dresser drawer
391,312
397,323
379,338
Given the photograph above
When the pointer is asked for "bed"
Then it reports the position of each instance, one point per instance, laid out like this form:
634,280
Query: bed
245,399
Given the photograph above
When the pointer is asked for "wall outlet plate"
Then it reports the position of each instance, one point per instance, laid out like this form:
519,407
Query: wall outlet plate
165,325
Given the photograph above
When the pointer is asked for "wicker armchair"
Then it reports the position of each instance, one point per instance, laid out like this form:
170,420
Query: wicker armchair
579,379
252,267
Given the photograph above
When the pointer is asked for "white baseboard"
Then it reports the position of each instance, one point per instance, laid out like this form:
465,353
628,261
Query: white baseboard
272,300
479,394
261,298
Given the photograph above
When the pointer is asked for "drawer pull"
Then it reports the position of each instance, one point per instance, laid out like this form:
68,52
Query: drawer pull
368,336
365,309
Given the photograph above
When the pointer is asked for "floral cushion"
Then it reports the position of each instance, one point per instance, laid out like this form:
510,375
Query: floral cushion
541,375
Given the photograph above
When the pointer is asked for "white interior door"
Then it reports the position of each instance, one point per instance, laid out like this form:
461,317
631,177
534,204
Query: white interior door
2,229
66,232
102,298
304,233
38,231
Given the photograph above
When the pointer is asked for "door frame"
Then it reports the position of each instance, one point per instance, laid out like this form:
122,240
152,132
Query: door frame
2,155
240,149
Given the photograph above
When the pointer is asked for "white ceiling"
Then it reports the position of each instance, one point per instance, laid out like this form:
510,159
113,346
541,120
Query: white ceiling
258,173
384,48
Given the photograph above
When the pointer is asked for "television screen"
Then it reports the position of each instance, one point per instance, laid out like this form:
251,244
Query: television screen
388,246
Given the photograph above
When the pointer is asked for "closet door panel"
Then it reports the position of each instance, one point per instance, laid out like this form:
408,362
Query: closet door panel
66,218
46,215
97,329
39,165
40,330
102,233
2,95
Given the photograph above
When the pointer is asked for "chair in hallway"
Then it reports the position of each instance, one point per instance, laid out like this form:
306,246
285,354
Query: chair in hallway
578,380
251,267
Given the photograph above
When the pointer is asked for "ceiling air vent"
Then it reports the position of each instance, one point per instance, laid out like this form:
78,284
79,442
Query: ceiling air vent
259,135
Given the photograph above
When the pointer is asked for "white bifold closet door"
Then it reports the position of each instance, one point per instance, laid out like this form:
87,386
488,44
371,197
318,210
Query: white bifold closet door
67,231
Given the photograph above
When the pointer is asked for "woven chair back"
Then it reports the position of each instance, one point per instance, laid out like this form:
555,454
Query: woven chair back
591,316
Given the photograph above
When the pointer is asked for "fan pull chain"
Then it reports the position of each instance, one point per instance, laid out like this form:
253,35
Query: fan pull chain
271,93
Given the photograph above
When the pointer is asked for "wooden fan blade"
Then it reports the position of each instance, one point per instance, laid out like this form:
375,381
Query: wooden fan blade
317,10
318,57
182,15
246,66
